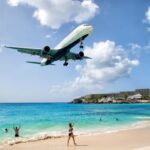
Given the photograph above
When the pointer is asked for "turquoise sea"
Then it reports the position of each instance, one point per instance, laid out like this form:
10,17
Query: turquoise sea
41,119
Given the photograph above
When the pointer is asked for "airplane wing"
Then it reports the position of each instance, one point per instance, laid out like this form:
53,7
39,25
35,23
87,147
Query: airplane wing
53,54
32,51
26,50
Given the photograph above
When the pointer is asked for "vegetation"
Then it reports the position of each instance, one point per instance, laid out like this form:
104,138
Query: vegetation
111,98
146,96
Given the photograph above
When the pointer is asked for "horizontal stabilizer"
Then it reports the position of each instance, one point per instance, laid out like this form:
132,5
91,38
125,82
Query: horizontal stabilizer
86,57
33,62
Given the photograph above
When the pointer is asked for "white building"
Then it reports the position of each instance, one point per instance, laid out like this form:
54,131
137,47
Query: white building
135,96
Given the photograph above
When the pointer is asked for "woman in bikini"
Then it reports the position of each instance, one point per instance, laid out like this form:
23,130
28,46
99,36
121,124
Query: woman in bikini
70,134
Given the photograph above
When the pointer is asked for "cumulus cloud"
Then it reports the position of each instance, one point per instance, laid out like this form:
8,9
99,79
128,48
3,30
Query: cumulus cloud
135,49
54,13
148,15
109,63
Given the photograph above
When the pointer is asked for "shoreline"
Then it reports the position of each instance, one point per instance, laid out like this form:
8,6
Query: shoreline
133,139
138,127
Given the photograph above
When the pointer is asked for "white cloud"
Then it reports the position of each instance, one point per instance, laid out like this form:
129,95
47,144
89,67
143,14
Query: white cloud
1,47
54,13
109,63
148,29
148,15
48,36
147,47
135,49
135,46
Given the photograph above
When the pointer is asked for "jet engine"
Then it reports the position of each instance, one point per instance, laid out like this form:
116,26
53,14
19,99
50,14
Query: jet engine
45,50
80,55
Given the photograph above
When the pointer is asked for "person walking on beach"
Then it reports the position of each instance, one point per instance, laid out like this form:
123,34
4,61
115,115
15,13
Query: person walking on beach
16,129
70,134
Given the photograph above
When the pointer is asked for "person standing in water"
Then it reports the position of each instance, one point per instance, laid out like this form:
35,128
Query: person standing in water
16,129
6,130
117,119
70,134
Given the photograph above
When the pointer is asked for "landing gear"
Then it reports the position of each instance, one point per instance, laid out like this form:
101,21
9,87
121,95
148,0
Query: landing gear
65,63
81,44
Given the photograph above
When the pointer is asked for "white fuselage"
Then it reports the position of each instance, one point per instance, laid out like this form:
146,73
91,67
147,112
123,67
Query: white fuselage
76,34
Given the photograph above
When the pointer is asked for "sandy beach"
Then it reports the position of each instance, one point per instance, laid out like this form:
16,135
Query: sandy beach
132,139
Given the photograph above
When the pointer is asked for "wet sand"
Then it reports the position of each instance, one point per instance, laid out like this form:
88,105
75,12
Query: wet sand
132,139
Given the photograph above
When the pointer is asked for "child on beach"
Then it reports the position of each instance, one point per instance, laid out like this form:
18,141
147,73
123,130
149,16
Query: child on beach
70,134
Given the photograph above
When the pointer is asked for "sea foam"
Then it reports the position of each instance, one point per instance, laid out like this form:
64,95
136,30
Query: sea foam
44,136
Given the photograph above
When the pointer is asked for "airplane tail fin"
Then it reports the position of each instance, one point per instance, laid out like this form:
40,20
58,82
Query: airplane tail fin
33,62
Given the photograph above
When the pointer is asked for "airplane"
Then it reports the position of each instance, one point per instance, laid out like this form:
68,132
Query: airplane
62,50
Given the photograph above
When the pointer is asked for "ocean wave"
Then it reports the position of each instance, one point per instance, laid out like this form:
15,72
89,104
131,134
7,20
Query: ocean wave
143,117
86,132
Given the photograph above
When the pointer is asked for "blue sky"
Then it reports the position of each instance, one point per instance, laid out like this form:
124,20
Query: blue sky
120,32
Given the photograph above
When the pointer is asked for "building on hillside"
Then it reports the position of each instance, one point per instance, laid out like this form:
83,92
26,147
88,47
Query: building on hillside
143,91
135,96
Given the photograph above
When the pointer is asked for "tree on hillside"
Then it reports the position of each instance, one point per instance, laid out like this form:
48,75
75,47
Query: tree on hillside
126,96
145,96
